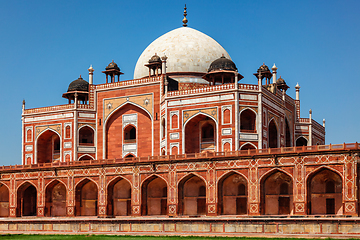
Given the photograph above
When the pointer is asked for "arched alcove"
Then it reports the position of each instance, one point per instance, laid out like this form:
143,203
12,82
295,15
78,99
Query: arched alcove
55,199
4,201
86,136
273,135
119,198
48,147
26,200
232,194
301,141
324,192
287,134
248,121
192,196
154,196
276,194
86,198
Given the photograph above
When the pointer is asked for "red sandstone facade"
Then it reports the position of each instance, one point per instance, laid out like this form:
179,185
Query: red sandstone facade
157,146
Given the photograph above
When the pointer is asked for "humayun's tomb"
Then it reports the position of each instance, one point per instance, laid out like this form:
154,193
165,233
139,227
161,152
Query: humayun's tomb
184,147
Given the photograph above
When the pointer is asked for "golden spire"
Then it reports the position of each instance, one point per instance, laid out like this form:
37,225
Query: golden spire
185,20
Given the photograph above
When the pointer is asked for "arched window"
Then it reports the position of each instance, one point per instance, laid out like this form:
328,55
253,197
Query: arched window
86,136
28,135
301,141
247,121
130,134
56,147
273,135
174,121
67,131
227,116
247,146
207,133
163,128
287,134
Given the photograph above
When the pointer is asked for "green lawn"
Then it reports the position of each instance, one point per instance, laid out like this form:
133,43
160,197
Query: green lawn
112,237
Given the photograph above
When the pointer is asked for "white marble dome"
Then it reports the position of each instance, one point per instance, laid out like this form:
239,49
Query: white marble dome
188,51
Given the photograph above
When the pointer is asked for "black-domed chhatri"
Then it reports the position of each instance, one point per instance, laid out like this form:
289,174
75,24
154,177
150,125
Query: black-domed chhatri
265,73
222,64
112,70
79,89
281,84
155,59
79,85
112,65
154,65
222,71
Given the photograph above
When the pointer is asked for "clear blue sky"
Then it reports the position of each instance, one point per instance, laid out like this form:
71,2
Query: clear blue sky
44,45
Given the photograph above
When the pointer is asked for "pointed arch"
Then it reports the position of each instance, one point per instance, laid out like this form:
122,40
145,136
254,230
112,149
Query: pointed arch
248,145
48,148
26,199
86,198
248,119
191,132
276,193
301,141
273,134
232,194
288,134
4,200
86,157
124,104
112,147
55,199
321,201
154,196
119,197
192,195
86,135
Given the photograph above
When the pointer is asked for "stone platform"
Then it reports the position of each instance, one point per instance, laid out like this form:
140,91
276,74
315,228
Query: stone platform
205,226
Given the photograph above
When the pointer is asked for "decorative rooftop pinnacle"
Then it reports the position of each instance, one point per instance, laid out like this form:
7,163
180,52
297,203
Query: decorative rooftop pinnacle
185,21
274,67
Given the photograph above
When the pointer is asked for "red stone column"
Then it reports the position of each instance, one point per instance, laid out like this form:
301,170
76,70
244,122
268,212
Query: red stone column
211,204
299,187
254,189
172,192
102,193
135,198
13,196
350,185
70,195
40,211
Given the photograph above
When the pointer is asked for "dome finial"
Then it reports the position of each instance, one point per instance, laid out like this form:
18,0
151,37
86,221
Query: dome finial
185,20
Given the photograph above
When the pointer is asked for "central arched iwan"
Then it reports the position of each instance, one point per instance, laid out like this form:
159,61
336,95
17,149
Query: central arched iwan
115,131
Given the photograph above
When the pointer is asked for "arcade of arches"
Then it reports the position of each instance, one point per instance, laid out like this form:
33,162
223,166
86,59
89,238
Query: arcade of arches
276,195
